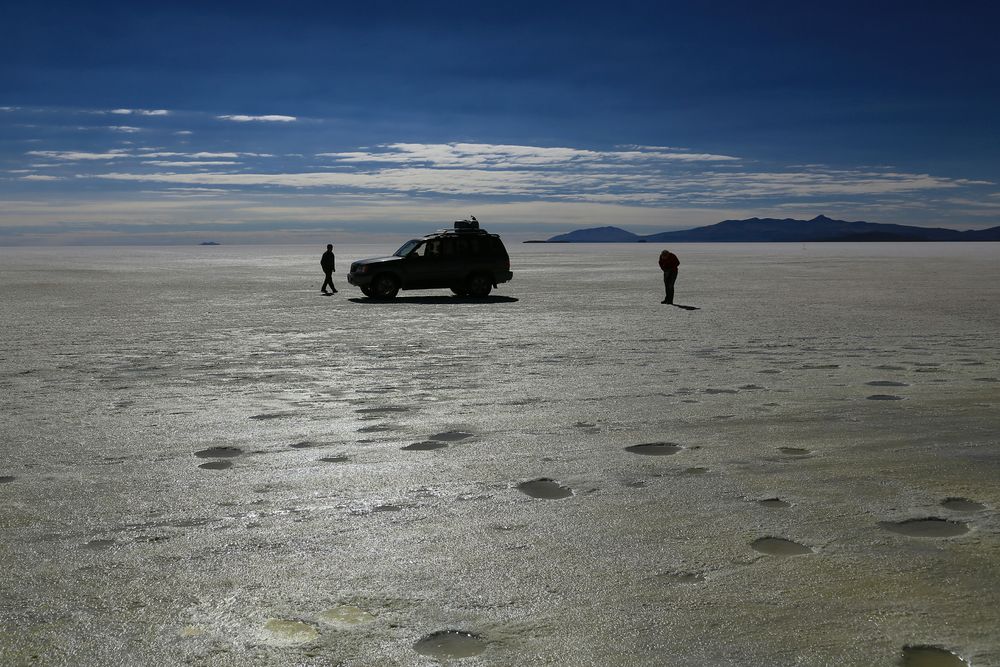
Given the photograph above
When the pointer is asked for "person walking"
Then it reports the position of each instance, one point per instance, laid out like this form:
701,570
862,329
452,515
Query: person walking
329,263
669,264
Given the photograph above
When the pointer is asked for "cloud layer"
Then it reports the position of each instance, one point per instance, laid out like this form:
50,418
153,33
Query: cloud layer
157,171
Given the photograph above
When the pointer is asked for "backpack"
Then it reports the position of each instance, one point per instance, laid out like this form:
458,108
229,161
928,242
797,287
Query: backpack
669,261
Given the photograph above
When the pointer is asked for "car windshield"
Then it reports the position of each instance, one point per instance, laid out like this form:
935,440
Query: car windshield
407,248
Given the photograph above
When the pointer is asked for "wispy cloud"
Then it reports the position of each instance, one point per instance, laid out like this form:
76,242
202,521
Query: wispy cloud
648,186
119,153
189,163
128,129
266,119
501,156
140,112
656,180
74,156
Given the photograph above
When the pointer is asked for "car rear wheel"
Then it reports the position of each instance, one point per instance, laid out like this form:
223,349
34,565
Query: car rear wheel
384,287
479,285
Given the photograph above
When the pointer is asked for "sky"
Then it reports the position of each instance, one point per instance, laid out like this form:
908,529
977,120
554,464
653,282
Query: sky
246,122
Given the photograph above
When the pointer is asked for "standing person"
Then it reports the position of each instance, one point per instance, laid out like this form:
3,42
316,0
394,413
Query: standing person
329,264
669,264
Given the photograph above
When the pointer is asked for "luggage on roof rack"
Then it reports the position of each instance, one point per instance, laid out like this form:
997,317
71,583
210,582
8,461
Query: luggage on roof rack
471,223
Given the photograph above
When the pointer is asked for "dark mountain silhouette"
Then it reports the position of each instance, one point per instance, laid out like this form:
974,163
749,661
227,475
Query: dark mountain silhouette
597,235
819,229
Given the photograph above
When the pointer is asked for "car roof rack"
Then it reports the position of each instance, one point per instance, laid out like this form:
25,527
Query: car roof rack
469,226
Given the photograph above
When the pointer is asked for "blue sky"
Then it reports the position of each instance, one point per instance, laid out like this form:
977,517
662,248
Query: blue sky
296,121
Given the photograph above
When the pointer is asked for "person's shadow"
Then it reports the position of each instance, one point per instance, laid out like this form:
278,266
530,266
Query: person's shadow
430,300
686,307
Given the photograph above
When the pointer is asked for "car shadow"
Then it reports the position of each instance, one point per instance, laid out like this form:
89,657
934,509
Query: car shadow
428,300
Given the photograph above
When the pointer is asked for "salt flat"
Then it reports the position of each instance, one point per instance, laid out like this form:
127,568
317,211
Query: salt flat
206,462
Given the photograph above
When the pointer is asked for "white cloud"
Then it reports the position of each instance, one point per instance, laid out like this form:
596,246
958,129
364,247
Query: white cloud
128,129
193,163
605,185
140,112
504,156
40,177
74,156
195,156
249,119
118,153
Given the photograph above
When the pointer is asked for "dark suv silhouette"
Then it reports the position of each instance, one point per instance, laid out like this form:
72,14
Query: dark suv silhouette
468,260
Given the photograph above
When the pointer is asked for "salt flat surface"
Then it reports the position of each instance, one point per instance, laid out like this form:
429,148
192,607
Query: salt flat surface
206,462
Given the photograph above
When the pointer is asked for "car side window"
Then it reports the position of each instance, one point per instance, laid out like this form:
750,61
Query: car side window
449,248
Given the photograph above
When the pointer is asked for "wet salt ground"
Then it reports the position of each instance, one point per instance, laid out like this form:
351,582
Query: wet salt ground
785,519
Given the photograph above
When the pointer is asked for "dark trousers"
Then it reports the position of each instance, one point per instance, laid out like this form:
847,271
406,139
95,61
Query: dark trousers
328,281
669,278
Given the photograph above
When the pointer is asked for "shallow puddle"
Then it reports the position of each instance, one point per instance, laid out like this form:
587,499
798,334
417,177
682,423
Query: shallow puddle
777,546
655,448
333,459
98,545
218,452
545,488
450,644
930,656
794,451
346,616
216,465
424,446
774,503
450,436
388,507
886,383
283,632
681,577
962,505
269,416
884,397
929,527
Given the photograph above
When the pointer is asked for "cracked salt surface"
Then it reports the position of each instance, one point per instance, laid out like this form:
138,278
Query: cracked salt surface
133,379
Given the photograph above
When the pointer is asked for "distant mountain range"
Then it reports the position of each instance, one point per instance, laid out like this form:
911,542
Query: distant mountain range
773,230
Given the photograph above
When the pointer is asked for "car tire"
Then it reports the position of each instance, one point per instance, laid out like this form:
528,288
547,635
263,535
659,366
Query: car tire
384,286
367,291
479,285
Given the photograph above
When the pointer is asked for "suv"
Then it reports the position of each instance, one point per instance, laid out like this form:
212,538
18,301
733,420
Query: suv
467,259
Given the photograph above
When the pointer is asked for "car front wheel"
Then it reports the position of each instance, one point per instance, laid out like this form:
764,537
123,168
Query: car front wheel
479,285
385,287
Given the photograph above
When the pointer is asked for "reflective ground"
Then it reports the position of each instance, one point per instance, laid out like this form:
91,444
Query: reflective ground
205,462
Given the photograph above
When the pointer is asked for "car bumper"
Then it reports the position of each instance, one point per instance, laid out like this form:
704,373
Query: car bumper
359,279
503,277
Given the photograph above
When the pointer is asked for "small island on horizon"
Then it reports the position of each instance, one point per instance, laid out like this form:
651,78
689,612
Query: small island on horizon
209,243
787,230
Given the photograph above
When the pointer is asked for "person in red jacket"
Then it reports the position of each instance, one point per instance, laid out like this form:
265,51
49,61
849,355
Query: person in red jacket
669,264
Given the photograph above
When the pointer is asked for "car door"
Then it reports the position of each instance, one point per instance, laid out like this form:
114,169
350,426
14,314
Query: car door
417,267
